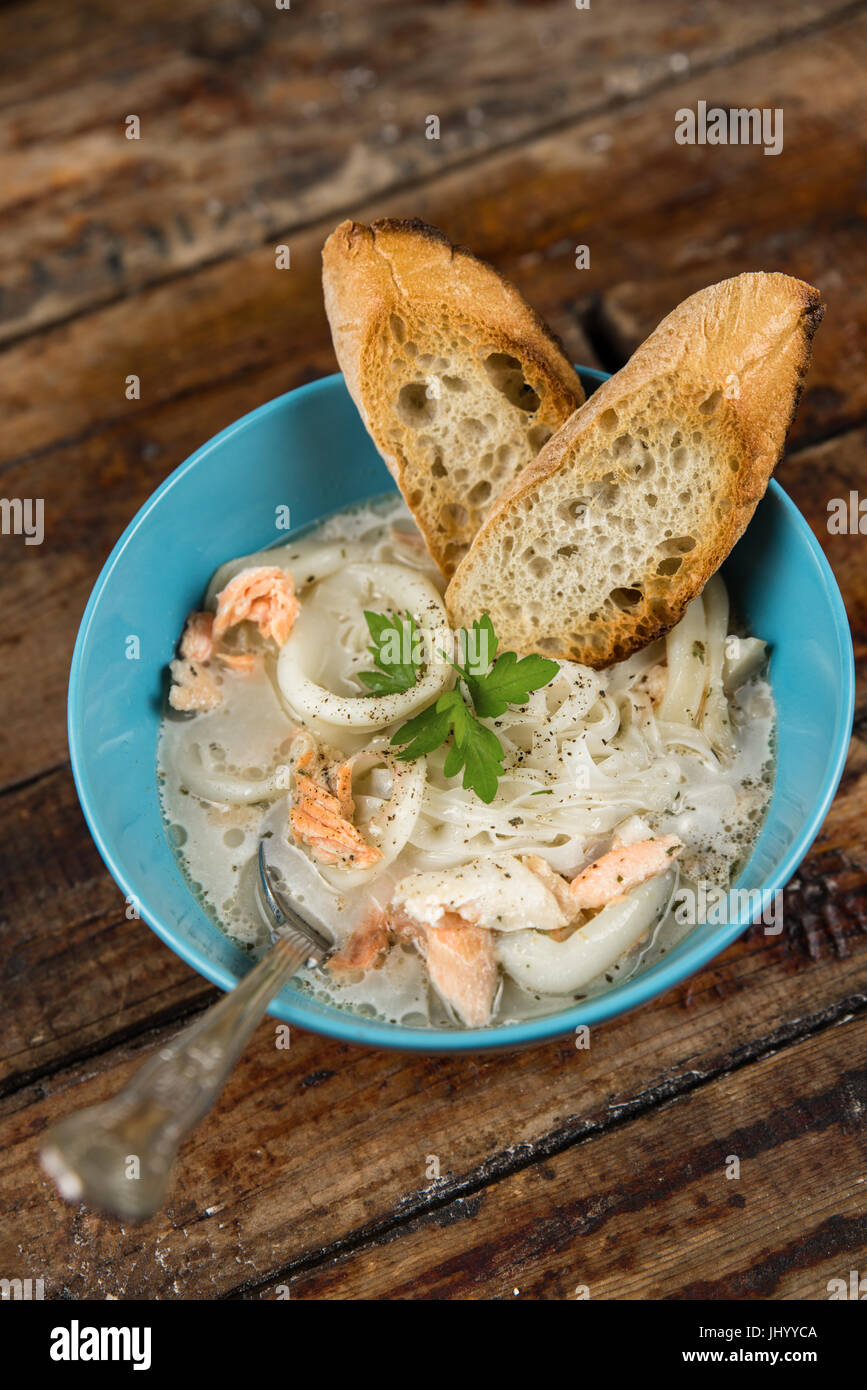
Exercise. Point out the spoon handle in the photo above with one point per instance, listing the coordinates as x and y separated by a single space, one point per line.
119 1155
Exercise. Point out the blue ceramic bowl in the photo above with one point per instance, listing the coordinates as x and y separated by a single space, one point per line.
309 449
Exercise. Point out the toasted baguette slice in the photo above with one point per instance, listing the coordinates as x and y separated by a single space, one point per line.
457 379
599 545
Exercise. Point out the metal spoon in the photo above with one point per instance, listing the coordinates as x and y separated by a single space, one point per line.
119 1155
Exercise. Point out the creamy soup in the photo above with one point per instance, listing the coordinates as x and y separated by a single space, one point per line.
622 797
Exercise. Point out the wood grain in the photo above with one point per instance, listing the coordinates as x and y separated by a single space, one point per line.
647 1211
230 336
255 121
78 973
526 210
322 1143
557 1167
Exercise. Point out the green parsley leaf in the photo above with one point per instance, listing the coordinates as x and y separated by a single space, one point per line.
475 749
454 761
480 753
479 649
460 715
509 682
424 733
393 640
381 683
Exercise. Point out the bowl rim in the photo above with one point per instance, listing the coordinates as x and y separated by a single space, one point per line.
353 1028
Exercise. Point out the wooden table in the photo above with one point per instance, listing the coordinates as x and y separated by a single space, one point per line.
155 258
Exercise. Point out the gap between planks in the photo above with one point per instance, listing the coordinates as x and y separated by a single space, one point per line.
135 1034
509 1162
461 164
86 428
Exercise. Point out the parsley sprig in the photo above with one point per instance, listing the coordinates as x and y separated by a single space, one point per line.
475 749
491 685
393 639
509 681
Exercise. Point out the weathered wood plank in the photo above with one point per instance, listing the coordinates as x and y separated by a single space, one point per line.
647 1211
236 333
256 120
526 210
78 976
82 983
314 1144
286 1115
365 1123
813 478
77 973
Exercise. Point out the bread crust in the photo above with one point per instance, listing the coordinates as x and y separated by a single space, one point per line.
411 270
747 339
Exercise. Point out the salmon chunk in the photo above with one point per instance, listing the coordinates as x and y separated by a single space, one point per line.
460 960
197 638
264 595
243 662
324 766
463 968
459 956
193 687
366 948
622 869
317 819
340 780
